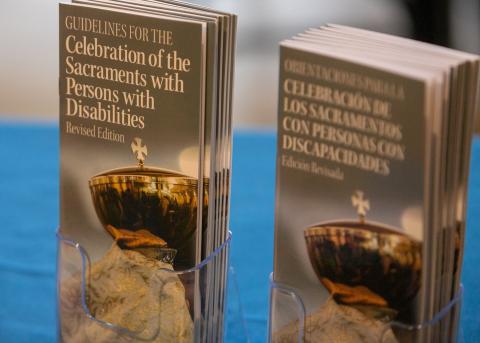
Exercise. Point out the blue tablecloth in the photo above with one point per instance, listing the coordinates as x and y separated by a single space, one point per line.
29 217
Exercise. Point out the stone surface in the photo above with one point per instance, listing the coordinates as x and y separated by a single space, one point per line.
335 323
129 290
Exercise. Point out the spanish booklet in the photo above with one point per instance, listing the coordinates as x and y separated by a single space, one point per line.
373 149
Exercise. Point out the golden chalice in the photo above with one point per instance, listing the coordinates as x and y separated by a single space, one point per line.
149 209
371 266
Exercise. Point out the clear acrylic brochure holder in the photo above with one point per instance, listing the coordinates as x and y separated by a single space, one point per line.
290 323
125 297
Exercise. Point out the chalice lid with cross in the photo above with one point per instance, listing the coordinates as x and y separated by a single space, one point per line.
362 205
140 152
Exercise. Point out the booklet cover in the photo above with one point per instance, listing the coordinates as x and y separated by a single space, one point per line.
349 162
145 142
131 129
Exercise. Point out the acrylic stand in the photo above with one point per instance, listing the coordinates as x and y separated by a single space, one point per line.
123 297
289 322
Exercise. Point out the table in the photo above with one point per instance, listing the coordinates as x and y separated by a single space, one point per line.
29 214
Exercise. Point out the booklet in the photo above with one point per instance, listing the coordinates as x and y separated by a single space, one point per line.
373 146
145 130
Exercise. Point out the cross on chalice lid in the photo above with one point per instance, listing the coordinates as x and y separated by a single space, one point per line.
361 204
140 151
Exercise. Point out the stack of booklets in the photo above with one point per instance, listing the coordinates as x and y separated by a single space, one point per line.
145 142
374 135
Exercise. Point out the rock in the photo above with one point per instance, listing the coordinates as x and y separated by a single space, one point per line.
335 323
129 290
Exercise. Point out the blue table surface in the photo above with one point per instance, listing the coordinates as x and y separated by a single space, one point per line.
29 217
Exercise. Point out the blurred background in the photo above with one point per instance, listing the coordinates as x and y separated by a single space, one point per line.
28 95
29 45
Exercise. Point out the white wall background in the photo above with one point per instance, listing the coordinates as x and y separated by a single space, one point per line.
29 48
